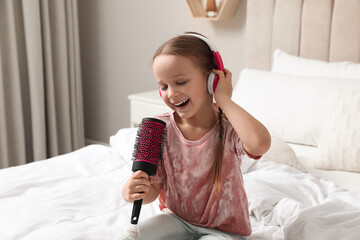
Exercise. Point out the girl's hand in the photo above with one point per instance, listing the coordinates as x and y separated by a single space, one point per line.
136 187
223 91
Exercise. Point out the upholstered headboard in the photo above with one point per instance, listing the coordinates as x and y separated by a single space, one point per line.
319 29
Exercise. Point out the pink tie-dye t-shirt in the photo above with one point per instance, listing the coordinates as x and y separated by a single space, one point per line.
186 172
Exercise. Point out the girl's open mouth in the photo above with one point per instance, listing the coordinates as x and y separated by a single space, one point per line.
182 104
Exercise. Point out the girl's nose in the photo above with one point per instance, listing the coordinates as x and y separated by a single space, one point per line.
171 92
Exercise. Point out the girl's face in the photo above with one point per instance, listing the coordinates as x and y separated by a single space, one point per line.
182 84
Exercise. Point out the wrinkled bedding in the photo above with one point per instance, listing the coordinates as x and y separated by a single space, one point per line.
78 196
285 203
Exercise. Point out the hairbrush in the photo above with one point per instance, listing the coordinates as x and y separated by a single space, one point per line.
148 152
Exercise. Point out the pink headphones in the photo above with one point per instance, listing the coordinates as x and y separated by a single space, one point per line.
212 78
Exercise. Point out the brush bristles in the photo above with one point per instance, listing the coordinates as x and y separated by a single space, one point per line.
137 141
136 145
163 142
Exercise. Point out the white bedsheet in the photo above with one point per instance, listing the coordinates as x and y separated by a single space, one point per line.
78 196
73 196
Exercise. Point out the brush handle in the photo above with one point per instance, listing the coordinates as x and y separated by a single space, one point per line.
136 211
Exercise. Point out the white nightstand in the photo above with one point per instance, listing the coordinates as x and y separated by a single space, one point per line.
145 104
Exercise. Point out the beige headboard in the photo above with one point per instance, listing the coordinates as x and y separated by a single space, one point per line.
319 29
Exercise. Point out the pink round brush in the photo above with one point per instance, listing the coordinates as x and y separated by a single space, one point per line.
148 152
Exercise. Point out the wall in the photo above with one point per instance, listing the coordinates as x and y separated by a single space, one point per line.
118 39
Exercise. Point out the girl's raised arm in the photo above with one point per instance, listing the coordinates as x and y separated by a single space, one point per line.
253 134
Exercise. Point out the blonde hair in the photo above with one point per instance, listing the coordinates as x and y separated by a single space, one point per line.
219 154
200 53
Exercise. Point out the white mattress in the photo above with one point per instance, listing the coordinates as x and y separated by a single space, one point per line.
306 155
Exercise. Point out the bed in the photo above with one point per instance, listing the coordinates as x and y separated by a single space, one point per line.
302 80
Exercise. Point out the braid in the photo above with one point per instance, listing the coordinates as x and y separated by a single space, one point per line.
216 178
221 127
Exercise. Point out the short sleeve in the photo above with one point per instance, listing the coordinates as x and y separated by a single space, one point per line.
233 139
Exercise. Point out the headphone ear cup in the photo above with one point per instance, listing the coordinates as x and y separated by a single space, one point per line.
210 82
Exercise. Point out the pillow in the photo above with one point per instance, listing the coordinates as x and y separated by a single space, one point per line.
123 142
339 148
293 108
290 64
282 153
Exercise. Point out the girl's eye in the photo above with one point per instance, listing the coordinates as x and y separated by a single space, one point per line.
163 88
181 83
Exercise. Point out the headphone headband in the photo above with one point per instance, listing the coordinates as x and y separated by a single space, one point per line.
211 46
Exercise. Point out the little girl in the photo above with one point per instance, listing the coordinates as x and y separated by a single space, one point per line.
199 182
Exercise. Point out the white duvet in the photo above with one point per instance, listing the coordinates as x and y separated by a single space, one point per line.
73 196
287 204
78 196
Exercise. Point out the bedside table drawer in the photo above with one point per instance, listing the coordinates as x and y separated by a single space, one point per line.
146 104
139 110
